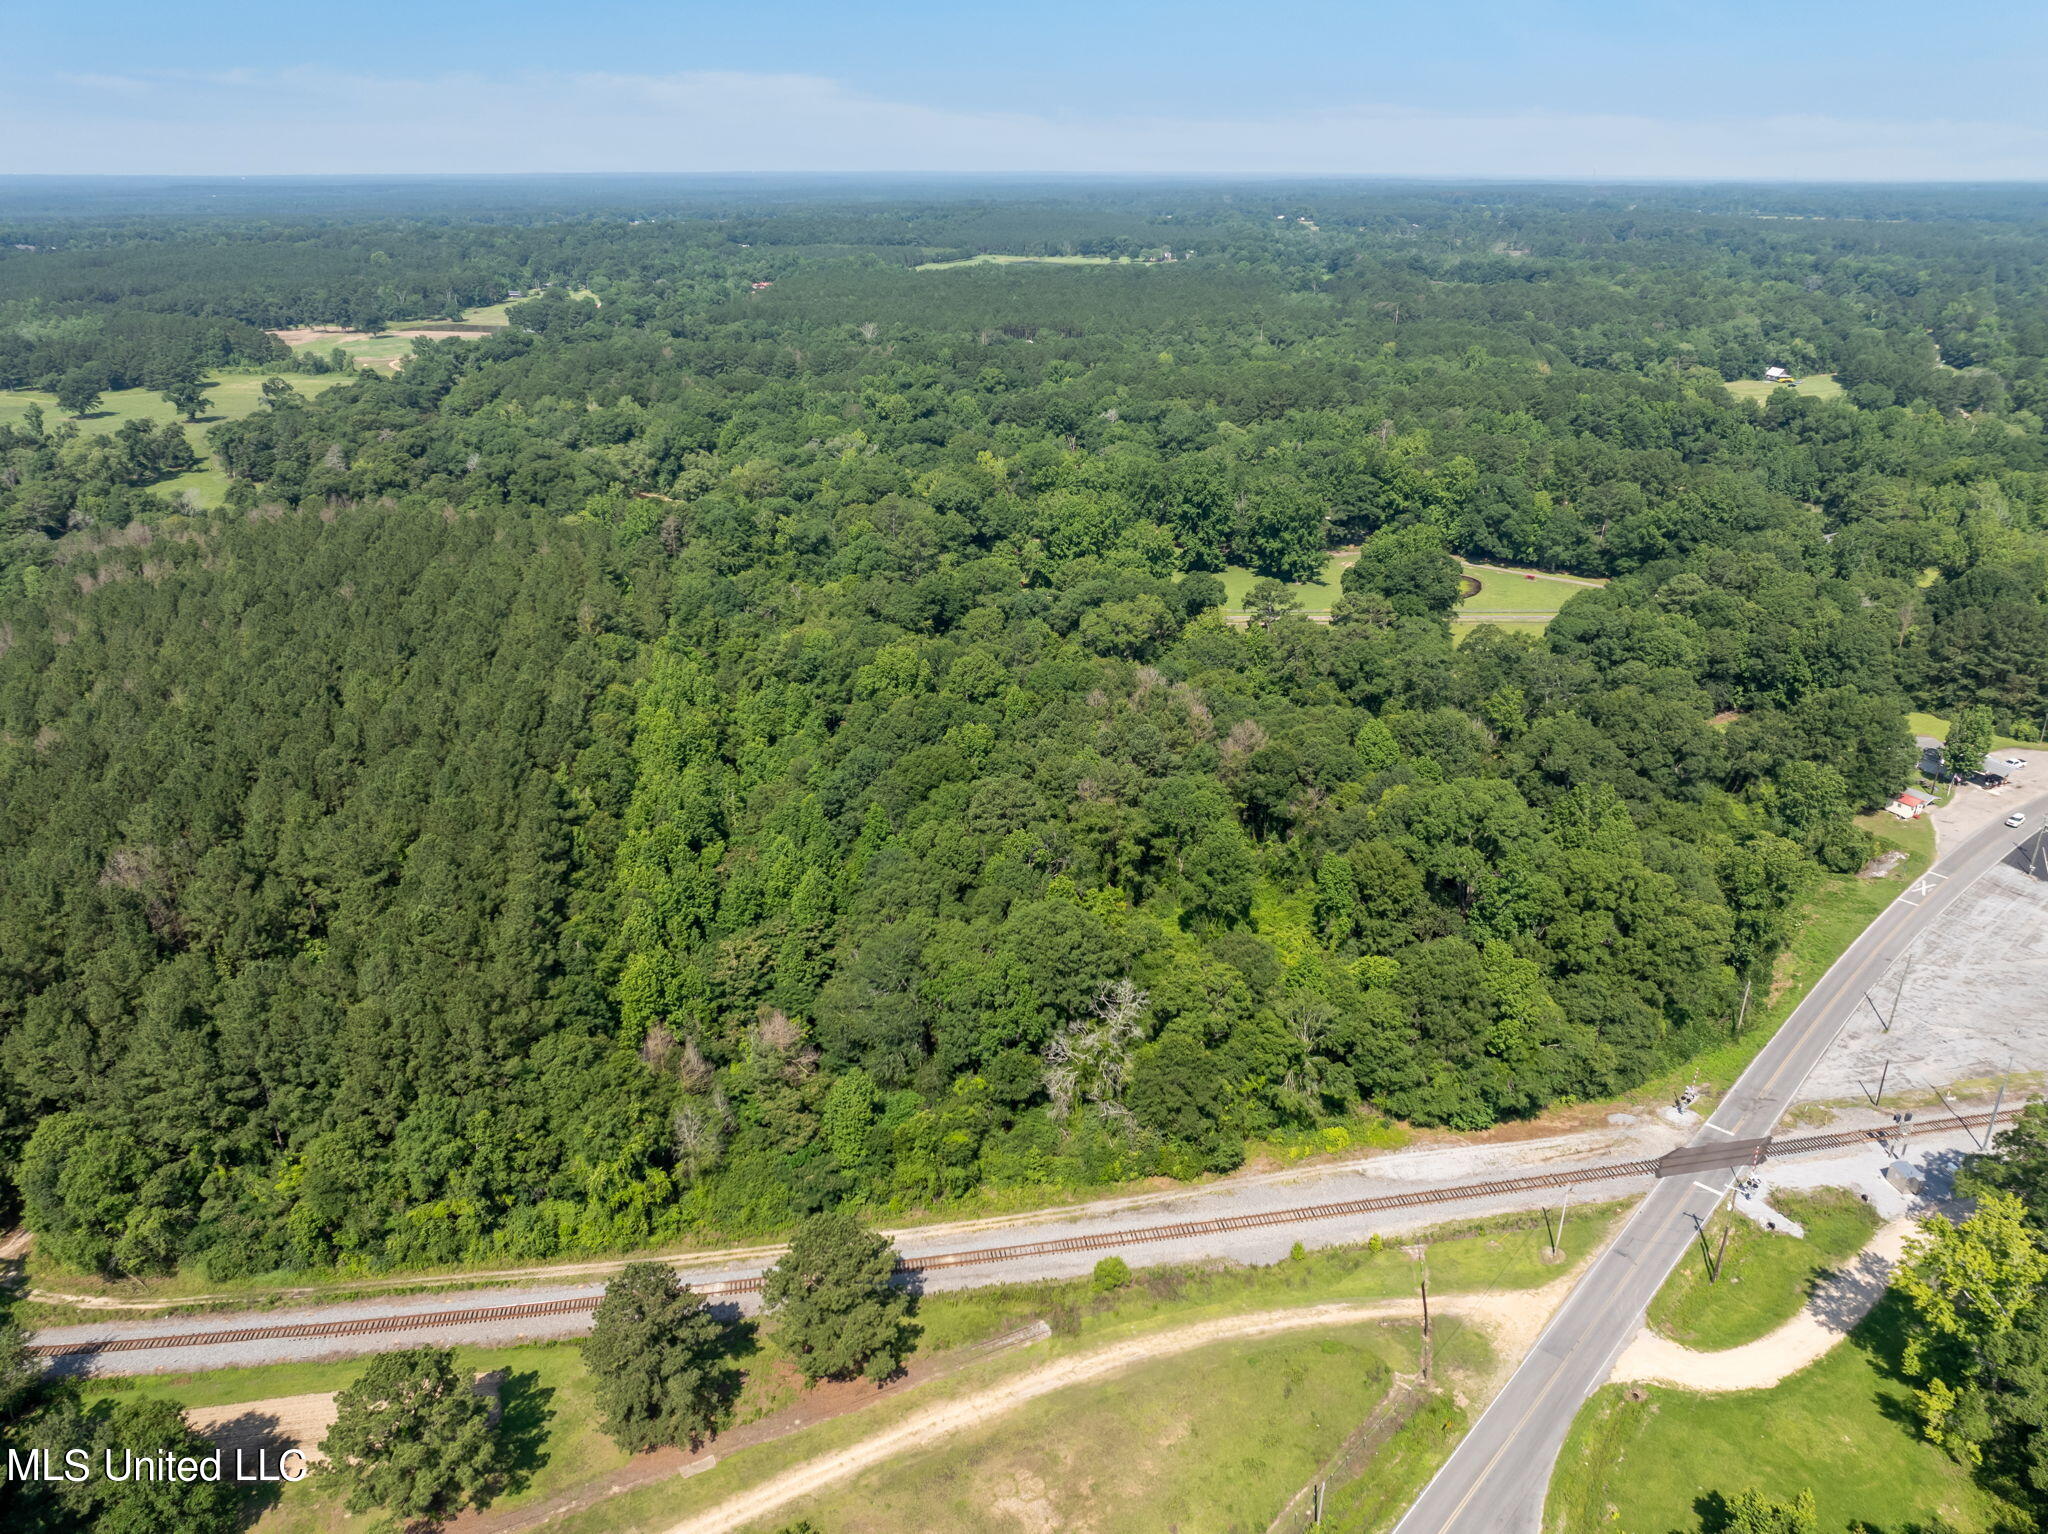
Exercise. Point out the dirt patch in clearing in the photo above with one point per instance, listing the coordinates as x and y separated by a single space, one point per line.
332 336
288 1421
304 333
292 1422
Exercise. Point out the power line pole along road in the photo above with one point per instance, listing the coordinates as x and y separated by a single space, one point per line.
1495 1480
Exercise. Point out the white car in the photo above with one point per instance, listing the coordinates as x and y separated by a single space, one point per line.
2016 818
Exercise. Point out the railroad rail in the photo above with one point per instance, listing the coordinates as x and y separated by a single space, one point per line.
978 1256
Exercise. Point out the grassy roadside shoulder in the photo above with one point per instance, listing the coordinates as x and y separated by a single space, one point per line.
1650 1460
1765 1276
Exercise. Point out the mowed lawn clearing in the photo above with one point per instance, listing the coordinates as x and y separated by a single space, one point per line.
232 396
550 1424
1937 727
1811 386
1515 598
1652 1460
1316 596
1765 1276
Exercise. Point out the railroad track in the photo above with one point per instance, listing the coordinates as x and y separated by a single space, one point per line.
978 1256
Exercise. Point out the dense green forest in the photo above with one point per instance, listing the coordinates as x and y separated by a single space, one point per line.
718 752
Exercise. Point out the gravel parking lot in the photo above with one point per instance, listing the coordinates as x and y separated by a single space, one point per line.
1968 1002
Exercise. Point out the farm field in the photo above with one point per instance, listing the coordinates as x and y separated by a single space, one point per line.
1651 1459
1811 385
385 347
1765 1277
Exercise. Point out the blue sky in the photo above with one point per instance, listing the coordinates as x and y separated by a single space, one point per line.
1580 88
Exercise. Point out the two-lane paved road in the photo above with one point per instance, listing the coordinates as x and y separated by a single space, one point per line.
1495 1481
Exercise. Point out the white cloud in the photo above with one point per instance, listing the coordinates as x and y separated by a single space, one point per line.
314 121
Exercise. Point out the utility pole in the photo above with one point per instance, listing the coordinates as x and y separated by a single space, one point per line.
1719 1252
1425 1318
1997 1103
1881 1075
1743 1011
1557 1245
1900 990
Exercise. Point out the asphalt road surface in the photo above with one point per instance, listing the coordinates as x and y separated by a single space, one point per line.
1495 1481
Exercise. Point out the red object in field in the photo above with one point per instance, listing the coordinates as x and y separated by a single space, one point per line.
1528 577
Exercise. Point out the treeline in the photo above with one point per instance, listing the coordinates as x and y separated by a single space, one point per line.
40 348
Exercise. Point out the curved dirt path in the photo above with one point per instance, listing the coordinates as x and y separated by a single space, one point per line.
1515 1319
1829 1315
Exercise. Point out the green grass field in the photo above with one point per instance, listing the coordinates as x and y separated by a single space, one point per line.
377 351
1218 1438
233 395
995 260
1317 596
1843 1428
1501 590
1936 726
1811 386
1765 1277
1463 629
